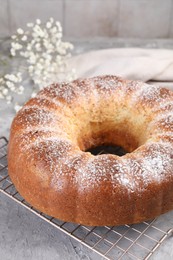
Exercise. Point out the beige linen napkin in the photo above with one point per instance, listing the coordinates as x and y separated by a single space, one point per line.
131 63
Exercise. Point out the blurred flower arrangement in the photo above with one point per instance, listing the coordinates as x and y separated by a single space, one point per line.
44 55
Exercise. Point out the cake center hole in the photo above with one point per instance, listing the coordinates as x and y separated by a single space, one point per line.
107 149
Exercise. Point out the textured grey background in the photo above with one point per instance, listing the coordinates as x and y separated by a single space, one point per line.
93 18
26 237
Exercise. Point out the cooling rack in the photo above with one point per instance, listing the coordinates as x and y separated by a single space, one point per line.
137 241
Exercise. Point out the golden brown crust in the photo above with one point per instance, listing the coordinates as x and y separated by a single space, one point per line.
50 168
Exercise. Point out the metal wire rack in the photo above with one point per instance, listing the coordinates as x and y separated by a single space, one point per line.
137 241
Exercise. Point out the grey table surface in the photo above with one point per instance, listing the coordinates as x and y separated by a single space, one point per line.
24 235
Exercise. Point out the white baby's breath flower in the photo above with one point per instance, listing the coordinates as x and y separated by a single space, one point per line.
30 68
45 56
38 21
23 54
16 46
13 52
58 26
38 47
37 31
20 90
11 77
13 37
12 88
37 72
30 25
7 76
53 29
48 25
51 20
59 35
20 31
9 84
62 51
19 76
33 94
24 38
39 66
5 91
32 59
29 47
17 107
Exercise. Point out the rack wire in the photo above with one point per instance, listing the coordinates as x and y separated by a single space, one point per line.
137 241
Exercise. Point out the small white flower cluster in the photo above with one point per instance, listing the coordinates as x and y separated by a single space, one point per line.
10 83
44 51
44 54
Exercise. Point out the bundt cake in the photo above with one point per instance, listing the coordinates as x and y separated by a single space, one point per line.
49 162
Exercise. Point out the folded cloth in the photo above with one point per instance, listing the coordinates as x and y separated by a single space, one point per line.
130 63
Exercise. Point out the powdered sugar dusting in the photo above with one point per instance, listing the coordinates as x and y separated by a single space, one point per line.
60 157
132 86
163 122
151 95
44 101
50 152
62 90
32 137
53 155
167 105
157 161
130 173
167 122
93 173
68 92
51 100
32 116
107 83
89 172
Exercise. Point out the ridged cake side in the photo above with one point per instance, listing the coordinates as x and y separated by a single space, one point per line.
50 134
